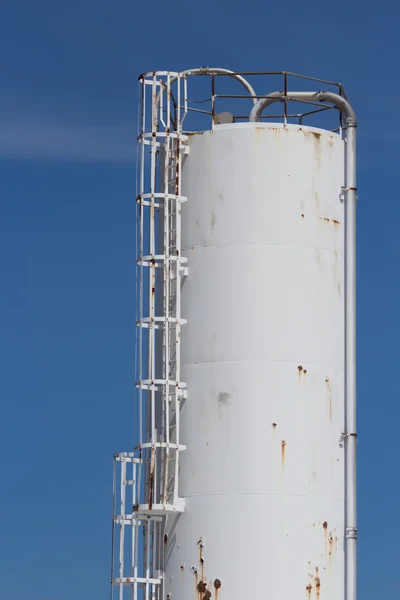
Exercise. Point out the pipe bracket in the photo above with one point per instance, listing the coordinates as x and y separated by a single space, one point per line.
351 533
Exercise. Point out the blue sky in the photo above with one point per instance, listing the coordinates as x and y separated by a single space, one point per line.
67 183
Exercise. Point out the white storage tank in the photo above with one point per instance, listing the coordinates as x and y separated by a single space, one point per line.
263 359
241 483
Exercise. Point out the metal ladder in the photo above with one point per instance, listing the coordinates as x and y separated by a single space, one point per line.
146 486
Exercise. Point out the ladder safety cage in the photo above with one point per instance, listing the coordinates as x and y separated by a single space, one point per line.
146 486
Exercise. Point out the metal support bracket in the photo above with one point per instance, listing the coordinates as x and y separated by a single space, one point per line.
351 533
344 437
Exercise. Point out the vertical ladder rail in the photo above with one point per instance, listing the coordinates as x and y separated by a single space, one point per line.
166 301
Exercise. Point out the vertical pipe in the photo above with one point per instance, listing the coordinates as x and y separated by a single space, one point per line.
350 316
113 526
350 358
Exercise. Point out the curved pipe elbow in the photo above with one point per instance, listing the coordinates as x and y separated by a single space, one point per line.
216 71
321 96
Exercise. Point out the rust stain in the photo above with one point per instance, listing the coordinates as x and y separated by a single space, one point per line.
201 587
325 527
331 544
329 388
283 454
338 287
201 558
301 371
217 585
335 222
309 587
151 480
317 584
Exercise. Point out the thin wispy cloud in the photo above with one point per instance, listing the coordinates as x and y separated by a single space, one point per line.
80 143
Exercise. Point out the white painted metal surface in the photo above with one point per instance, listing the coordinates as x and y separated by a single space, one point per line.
263 358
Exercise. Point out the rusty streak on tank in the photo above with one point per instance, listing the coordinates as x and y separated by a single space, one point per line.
201 560
325 528
301 371
283 454
331 541
217 585
335 222
317 584
151 481
329 388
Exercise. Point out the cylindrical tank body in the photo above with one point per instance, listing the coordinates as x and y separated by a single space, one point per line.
263 358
